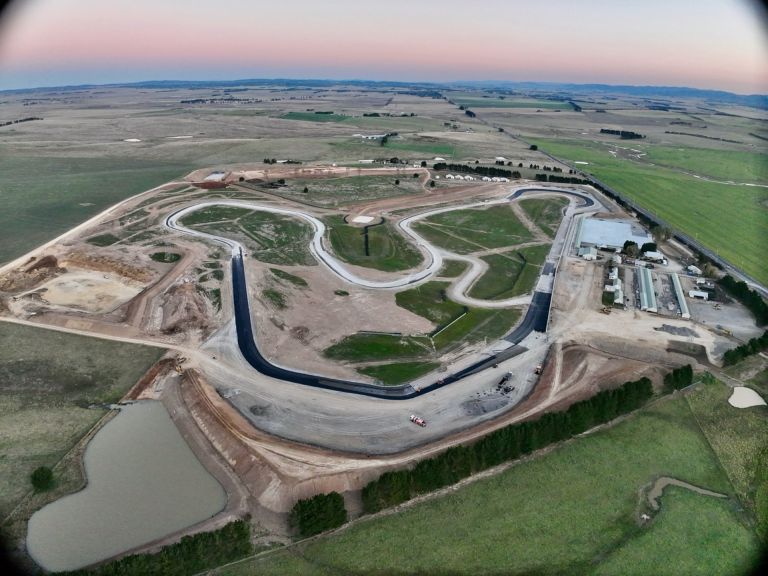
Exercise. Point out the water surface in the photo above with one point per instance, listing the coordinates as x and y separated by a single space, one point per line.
144 483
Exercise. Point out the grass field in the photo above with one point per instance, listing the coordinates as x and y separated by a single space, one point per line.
466 231
571 511
510 274
363 347
399 372
496 102
270 238
290 278
388 250
730 220
44 197
545 212
452 269
420 145
725 165
332 192
312 117
430 301
48 380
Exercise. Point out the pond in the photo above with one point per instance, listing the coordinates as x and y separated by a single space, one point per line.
144 482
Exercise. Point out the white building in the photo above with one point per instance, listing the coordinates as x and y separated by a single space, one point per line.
694 270
610 233
449 176
654 256
588 253
700 294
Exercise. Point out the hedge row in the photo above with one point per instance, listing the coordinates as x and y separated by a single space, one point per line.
750 298
679 378
754 346
318 514
508 443
191 555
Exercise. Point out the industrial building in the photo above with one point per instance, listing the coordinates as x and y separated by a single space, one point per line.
610 234
588 253
647 294
680 295
701 295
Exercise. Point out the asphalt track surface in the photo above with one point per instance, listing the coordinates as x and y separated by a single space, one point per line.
535 318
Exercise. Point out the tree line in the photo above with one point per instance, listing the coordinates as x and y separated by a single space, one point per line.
318 514
507 443
192 554
750 298
29 119
625 134
754 346
561 179
482 170
679 378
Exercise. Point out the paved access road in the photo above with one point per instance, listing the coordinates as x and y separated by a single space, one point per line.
535 319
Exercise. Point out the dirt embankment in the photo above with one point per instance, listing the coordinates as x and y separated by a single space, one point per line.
33 273
105 264
157 370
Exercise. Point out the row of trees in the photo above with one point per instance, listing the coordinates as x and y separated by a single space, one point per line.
508 443
318 514
29 119
754 346
482 170
561 179
191 555
625 134
750 298
679 378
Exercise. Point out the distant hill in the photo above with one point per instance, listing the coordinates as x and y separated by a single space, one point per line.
752 100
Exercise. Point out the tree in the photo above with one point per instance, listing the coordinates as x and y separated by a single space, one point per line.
42 479
394 160
648 247
306 190
431 183
397 182
534 147
423 163
318 514
630 249
415 175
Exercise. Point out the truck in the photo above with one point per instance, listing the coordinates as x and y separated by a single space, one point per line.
418 421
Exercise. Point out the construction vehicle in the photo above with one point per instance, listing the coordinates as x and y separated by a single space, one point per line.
605 310
179 361
538 369
418 421
504 379
718 307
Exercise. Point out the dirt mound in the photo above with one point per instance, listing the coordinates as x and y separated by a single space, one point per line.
696 351
18 280
104 264
184 309
49 261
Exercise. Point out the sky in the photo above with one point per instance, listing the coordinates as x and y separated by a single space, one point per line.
717 44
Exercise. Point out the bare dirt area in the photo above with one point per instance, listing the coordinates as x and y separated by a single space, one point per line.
316 316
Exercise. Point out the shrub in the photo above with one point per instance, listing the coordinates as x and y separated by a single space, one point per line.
42 479
318 514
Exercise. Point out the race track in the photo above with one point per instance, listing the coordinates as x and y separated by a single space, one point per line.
535 319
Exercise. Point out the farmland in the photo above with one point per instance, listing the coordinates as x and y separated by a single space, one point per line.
45 197
726 218
53 390
586 488
496 102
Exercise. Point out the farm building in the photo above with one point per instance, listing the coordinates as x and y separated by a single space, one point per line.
654 256
588 253
611 234
699 294
680 295
647 294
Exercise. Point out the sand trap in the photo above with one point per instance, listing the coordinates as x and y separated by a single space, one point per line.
89 290
580 162
131 140
362 219
178 137
744 397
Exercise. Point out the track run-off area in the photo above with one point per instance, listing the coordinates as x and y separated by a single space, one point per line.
535 319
